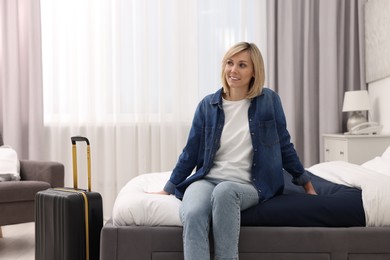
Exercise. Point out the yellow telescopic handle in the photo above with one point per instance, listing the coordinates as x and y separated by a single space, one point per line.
75 139
89 166
74 166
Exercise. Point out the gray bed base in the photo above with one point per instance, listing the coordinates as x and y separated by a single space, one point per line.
265 243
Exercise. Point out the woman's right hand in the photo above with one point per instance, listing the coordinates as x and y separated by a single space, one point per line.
162 192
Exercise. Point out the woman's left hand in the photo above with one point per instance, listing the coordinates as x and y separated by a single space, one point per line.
309 189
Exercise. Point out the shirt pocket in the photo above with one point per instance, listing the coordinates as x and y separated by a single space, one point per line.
267 133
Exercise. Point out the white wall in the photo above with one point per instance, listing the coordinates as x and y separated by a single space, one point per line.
379 92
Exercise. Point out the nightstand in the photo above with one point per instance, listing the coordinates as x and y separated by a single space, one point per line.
354 148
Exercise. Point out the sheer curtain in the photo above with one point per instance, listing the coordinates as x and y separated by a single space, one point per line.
315 54
129 74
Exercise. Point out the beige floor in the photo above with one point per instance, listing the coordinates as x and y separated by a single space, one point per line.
18 242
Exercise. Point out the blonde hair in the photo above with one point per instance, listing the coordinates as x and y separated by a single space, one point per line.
257 82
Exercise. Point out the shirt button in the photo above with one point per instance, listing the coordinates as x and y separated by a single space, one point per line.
254 164
252 133
255 149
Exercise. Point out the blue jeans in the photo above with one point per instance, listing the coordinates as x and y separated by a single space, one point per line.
221 204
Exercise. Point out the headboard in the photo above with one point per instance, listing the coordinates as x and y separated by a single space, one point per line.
377 39
377 42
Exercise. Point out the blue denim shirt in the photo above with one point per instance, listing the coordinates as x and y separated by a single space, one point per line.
272 148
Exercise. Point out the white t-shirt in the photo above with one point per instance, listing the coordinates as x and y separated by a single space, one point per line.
234 157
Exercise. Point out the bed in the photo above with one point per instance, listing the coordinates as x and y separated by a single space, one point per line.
349 219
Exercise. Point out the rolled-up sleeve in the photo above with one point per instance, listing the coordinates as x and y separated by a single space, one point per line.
302 179
170 187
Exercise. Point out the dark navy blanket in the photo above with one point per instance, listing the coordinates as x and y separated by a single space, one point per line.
334 206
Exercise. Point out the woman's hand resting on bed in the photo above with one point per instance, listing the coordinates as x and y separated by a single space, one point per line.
309 189
162 192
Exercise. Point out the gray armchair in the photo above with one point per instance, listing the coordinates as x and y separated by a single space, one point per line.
17 198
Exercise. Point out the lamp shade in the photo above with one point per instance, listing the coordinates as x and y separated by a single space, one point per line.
356 101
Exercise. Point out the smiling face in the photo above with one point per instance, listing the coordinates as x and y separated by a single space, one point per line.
239 72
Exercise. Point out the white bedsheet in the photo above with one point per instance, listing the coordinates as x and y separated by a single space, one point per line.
375 187
133 206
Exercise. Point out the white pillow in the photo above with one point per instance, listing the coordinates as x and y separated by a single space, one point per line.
380 164
9 164
133 206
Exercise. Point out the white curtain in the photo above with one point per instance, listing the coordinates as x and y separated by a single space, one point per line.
129 74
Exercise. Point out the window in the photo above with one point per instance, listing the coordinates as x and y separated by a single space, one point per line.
138 61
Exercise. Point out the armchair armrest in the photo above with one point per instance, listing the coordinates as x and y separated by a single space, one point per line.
51 172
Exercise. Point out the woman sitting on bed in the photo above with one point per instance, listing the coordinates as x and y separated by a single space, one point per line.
239 145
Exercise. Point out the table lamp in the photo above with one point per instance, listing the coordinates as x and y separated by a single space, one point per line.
356 102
